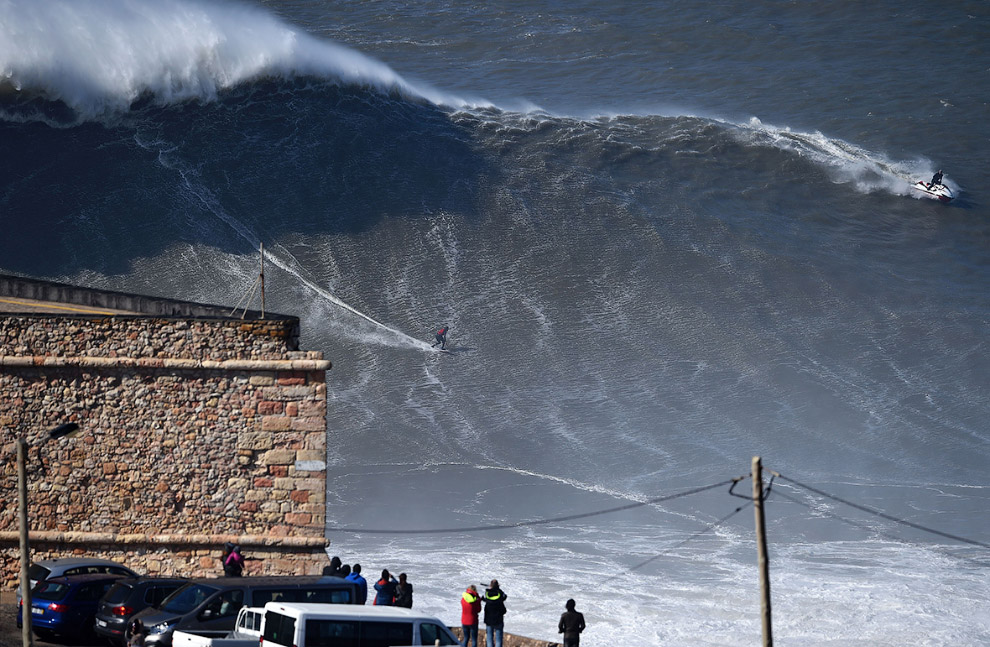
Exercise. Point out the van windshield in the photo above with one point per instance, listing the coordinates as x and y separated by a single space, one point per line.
316 593
431 634
187 598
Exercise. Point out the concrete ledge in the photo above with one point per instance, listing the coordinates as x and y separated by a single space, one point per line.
248 541
142 305
35 361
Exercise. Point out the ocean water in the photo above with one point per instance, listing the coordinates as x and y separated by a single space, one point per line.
666 238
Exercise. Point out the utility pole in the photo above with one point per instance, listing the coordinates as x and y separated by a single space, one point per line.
761 551
67 430
22 514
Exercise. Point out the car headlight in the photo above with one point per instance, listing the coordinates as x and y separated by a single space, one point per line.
162 627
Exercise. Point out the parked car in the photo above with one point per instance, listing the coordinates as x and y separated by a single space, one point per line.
209 606
67 605
48 568
127 597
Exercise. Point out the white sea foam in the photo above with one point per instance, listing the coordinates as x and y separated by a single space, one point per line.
866 170
704 593
99 56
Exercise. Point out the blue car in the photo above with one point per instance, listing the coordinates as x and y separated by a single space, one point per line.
67 605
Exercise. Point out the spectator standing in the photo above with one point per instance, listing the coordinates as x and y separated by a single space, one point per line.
403 592
362 584
334 569
385 587
137 634
233 562
470 608
494 614
571 625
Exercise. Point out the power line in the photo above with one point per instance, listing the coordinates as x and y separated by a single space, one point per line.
710 526
863 526
535 522
884 515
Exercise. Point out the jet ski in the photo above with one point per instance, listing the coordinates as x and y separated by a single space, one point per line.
937 191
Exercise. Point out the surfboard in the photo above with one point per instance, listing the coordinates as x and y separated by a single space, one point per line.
937 191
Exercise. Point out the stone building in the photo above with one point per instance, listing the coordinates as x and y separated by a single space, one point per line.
198 427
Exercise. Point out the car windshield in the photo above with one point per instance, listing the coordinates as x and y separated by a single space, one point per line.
38 572
49 590
187 598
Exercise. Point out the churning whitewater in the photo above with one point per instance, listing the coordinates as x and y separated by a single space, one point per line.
665 239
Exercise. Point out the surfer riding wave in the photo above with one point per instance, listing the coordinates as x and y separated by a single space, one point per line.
441 336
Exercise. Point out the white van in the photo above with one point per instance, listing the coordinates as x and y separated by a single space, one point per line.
348 625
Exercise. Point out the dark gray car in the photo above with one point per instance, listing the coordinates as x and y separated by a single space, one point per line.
127 597
209 606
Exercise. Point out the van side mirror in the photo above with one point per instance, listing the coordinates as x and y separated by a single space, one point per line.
207 613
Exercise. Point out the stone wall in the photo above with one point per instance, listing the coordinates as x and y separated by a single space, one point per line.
193 432
146 338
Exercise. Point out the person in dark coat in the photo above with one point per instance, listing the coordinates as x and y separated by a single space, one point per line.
403 592
936 179
362 584
571 625
494 614
138 634
334 569
228 548
385 587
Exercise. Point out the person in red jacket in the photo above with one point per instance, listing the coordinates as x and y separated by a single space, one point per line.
441 338
470 608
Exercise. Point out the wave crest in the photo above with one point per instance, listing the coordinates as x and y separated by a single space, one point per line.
100 56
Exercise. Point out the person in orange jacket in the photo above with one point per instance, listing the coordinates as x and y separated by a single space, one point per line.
470 608
385 587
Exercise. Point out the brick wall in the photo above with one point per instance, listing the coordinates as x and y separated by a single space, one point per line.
193 432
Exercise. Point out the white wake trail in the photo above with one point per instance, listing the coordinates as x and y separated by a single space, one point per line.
868 171
291 266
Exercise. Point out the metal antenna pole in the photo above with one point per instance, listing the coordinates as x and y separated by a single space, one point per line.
262 280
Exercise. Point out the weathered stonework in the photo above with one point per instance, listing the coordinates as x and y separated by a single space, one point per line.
194 432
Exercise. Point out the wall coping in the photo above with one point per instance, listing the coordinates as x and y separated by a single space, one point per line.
245 541
167 363
143 306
